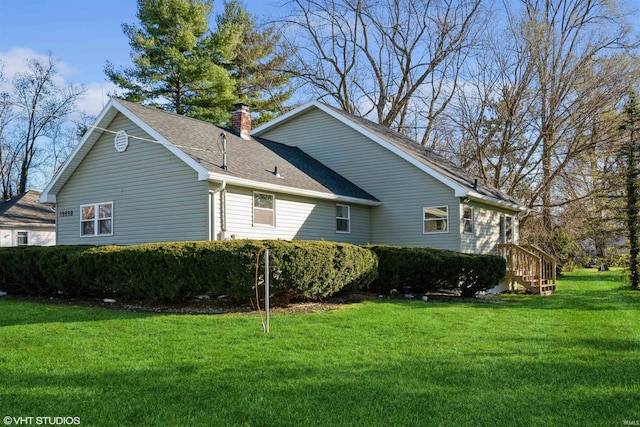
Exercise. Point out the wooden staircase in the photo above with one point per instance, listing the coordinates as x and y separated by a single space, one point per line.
529 267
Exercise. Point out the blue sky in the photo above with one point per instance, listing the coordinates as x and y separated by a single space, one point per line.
82 34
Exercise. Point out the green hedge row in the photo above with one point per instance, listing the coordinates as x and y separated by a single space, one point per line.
299 269
175 271
429 270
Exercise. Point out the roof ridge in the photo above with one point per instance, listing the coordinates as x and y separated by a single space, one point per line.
425 155
160 110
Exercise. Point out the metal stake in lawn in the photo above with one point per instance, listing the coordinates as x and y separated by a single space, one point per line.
266 290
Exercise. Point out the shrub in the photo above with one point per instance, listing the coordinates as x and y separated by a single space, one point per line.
316 269
35 270
428 270
174 271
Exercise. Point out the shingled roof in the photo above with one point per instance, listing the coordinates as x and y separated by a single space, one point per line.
429 158
24 209
464 182
255 159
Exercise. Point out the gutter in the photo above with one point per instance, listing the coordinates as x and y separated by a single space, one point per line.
493 202
247 183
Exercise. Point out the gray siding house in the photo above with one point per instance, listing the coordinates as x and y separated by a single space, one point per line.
145 175
426 200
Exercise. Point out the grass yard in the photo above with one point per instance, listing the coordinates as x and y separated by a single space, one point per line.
568 359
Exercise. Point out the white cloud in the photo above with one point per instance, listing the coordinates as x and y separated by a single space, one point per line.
15 61
95 98
91 103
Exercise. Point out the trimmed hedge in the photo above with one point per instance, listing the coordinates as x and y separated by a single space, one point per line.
428 270
299 269
175 271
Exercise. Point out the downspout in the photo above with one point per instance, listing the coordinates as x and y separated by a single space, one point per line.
223 222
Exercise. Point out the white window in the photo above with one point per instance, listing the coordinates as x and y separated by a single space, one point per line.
96 219
264 212
467 219
343 219
23 238
436 219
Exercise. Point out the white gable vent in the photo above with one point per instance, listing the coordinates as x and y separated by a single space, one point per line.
121 141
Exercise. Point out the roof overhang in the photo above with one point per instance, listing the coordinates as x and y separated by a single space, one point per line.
18 224
497 203
459 190
247 183
92 136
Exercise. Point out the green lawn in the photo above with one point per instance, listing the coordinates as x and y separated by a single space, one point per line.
568 359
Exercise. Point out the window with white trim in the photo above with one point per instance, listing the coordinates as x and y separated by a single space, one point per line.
96 219
22 238
436 219
343 219
467 219
264 209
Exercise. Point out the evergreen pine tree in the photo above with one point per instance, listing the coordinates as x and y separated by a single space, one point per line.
174 66
255 58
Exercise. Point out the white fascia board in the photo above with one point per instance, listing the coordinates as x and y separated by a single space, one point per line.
247 183
494 202
47 196
103 119
459 190
285 117
203 173
27 224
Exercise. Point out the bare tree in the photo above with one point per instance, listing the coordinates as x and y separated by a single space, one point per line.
544 93
396 61
45 102
489 123
7 155
573 45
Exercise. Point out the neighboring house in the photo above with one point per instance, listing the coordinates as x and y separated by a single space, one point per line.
23 221
145 175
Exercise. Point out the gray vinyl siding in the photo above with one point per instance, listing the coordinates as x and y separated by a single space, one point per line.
156 196
296 217
487 231
403 189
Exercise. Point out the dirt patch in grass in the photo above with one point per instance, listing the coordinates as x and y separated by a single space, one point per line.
221 305
200 305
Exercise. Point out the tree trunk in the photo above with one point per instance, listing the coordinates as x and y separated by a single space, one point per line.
632 112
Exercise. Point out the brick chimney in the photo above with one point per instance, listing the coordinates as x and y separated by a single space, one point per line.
241 120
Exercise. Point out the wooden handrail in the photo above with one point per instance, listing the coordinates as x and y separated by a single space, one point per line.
539 251
550 263
529 262
516 248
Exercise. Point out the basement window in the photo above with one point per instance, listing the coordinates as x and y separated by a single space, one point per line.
96 219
